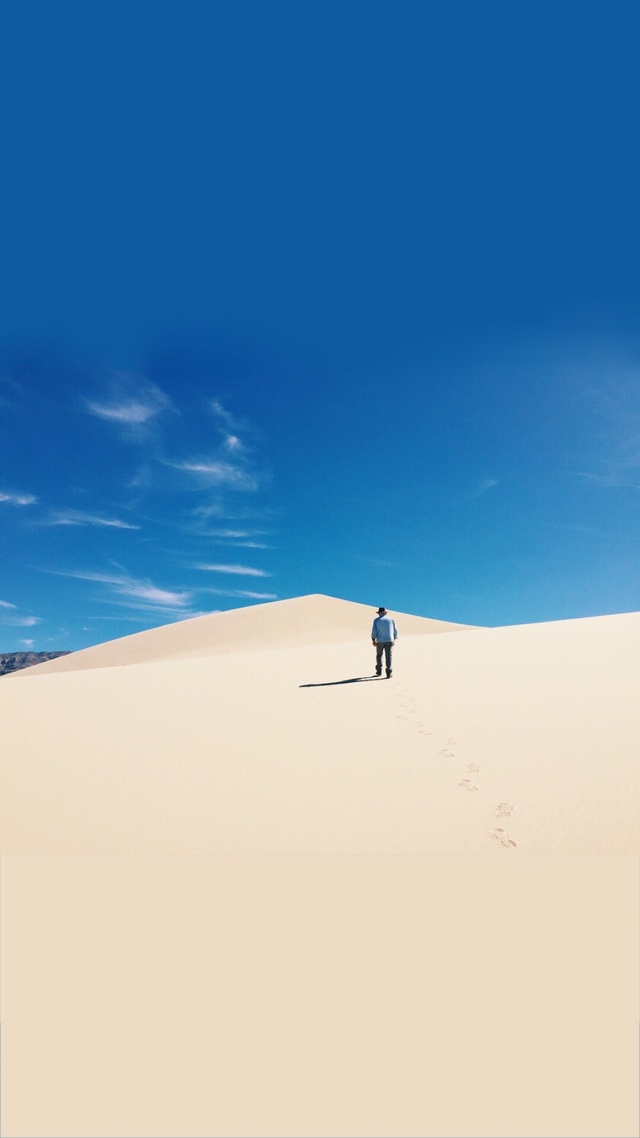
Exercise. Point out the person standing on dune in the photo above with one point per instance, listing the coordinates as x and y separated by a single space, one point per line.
383 635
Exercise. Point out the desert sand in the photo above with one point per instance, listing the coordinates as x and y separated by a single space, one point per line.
311 968
263 731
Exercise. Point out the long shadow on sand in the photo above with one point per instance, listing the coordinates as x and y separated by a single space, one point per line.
334 683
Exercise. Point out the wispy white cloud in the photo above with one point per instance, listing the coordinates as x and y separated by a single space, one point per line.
129 588
211 510
133 403
123 412
143 618
220 510
20 621
238 570
231 428
246 544
221 412
7 605
236 534
241 593
229 469
233 444
153 609
237 538
614 478
17 499
28 643
79 518
216 472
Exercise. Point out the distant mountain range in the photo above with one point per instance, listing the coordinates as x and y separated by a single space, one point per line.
14 661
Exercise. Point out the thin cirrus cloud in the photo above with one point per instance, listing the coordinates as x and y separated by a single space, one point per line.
241 593
17 499
221 510
237 539
617 480
231 426
216 472
148 607
230 421
7 605
20 621
78 518
246 544
133 404
238 570
128 589
143 615
235 534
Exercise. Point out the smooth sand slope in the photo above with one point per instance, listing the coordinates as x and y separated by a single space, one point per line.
275 738
300 622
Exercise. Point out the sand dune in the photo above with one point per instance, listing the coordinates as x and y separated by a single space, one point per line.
315 619
272 736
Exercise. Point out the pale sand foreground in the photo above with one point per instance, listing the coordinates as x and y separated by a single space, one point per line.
499 741
338 995
299 997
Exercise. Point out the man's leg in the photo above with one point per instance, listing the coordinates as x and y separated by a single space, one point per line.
387 654
379 648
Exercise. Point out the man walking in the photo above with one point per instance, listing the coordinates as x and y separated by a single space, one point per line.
384 635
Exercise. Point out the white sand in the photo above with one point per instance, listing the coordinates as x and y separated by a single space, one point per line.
300 622
210 742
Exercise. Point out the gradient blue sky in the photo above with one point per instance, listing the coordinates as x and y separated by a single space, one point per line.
319 297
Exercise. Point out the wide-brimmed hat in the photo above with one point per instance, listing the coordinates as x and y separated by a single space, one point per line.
381 610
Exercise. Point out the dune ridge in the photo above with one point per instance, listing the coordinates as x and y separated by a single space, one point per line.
313 619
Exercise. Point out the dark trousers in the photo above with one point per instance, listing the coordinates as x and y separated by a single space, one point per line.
385 647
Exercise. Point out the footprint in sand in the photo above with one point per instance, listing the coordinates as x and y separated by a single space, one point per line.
467 784
503 837
448 754
503 810
402 716
422 729
473 767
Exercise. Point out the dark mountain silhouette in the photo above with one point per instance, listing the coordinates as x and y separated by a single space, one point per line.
14 661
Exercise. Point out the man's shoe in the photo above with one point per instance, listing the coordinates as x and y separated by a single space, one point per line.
388 675
378 671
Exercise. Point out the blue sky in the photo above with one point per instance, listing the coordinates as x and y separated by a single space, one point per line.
299 298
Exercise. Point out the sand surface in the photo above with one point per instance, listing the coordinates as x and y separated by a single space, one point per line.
262 730
334 987
300 622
